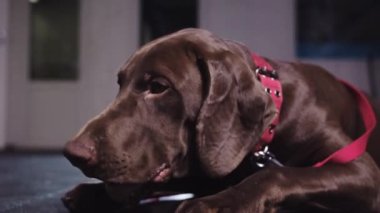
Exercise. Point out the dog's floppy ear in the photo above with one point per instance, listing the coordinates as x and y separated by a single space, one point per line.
235 112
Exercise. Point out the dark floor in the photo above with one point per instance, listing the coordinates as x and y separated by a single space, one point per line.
35 182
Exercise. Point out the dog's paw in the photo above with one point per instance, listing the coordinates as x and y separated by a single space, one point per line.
88 198
216 204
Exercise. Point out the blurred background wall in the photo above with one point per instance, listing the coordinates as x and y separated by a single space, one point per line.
43 114
3 70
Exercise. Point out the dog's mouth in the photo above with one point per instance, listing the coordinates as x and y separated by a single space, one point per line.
120 190
162 174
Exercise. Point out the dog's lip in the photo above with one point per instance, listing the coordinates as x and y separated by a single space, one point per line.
130 192
162 174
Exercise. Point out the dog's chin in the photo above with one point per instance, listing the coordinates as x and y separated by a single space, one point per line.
128 193
161 174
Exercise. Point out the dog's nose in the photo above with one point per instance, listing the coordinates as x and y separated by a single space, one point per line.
81 152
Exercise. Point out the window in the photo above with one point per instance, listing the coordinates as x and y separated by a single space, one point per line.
163 17
54 39
338 28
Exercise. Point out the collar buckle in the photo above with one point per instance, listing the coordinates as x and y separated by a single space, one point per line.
263 157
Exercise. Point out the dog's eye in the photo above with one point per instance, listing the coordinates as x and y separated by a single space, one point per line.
158 85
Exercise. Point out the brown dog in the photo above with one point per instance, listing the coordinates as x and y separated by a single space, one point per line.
190 107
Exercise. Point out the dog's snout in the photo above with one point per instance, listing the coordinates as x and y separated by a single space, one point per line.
81 152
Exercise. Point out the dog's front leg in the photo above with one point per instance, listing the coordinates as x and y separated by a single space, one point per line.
238 198
351 187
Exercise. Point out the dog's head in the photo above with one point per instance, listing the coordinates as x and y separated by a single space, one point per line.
187 95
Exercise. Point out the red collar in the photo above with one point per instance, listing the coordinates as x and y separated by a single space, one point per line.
270 81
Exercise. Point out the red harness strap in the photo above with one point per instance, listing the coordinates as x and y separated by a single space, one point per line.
350 152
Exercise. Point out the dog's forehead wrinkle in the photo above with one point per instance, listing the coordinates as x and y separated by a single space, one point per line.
165 66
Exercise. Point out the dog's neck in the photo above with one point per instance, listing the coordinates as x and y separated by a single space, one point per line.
270 81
